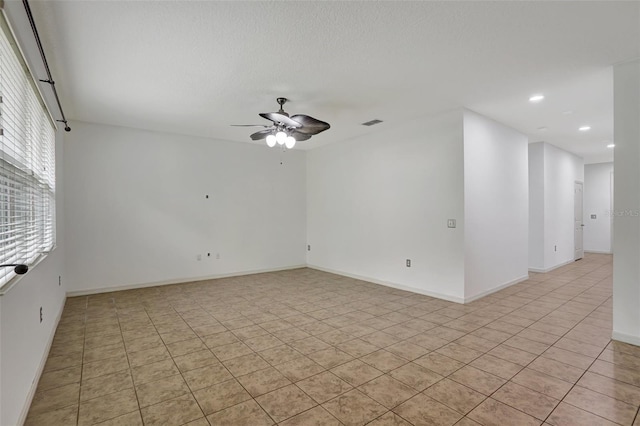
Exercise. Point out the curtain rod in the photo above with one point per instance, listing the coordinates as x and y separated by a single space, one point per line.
46 64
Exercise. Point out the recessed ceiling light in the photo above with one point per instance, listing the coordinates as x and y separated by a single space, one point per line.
536 98
584 128
611 145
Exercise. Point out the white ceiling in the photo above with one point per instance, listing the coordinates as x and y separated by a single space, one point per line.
195 67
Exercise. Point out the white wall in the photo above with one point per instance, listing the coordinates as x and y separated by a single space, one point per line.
598 197
375 201
560 169
536 206
137 212
626 239
496 205
24 340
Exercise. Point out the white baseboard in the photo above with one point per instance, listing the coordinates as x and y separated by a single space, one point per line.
45 355
177 281
598 252
390 284
626 338
495 289
544 271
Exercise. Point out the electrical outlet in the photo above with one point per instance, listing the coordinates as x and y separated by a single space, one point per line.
308 247
198 257
451 223
408 263
40 313
593 216
59 280
555 248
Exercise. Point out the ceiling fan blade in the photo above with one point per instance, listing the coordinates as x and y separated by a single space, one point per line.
276 117
310 125
261 134
250 125
299 136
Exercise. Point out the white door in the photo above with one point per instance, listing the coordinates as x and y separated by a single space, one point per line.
577 222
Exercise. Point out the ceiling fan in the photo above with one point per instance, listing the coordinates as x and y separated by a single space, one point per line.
286 130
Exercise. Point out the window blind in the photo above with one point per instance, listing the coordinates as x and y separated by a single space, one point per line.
27 164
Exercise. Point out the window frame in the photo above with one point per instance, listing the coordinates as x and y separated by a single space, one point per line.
38 118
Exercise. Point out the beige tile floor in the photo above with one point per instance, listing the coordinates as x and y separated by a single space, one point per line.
304 347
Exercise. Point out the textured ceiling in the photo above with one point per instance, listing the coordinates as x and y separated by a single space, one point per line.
194 67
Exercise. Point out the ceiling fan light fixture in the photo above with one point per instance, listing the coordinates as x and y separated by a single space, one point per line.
271 141
290 142
281 137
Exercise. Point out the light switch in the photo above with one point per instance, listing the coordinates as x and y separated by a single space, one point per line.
451 223
593 216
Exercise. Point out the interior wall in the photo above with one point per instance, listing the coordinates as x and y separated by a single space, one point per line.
626 228
598 199
560 169
378 200
536 206
138 212
496 205
24 340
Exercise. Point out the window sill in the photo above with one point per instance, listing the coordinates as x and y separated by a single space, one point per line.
12 283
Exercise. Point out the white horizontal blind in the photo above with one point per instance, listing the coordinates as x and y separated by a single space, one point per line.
27 165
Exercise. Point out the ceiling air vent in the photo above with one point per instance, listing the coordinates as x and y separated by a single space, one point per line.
372 122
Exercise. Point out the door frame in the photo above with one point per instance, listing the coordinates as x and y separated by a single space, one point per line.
581 219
